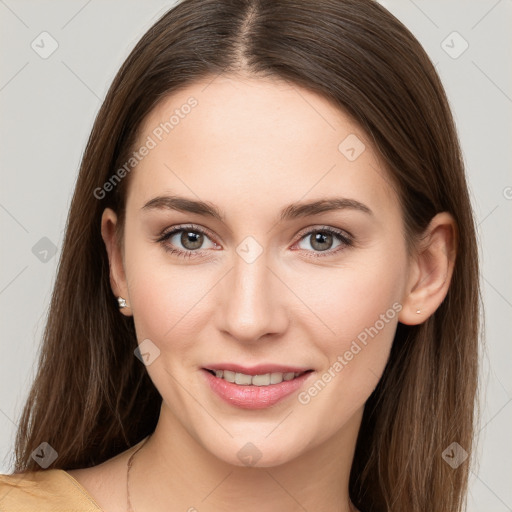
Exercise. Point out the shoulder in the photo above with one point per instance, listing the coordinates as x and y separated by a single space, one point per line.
44 491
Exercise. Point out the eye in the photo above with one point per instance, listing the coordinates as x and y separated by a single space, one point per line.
187 241
322 241
191 239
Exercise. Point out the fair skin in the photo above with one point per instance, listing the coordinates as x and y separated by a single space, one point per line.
251 147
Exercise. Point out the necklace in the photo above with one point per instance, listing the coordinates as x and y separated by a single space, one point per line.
129 466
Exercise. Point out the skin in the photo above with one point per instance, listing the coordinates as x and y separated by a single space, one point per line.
252 147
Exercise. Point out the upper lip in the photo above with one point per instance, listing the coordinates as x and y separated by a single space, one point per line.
260 369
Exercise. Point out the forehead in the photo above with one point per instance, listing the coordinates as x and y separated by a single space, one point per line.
246 143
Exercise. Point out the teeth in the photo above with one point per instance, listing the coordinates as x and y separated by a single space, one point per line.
243 379
227 375
255 380
276 378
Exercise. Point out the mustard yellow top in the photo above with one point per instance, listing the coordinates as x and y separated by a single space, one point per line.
50 490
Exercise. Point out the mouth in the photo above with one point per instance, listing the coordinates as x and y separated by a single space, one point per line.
256 388
262 379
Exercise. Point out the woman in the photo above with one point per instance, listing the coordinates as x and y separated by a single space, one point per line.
268 292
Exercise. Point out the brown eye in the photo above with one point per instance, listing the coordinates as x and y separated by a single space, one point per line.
186 241
191 240
324 240
321 241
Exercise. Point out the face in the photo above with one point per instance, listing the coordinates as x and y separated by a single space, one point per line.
257 283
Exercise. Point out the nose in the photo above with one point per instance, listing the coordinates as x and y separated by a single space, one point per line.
252 301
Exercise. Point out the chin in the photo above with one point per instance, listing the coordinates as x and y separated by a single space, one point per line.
258 454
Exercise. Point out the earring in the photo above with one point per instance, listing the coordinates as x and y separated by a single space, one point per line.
418 311
122 303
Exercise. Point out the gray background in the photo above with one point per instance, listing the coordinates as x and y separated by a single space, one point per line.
48 106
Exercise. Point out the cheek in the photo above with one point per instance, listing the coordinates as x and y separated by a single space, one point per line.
362 310
351 298
168 300
358 306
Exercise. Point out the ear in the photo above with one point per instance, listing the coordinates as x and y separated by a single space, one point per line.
431 270
115 258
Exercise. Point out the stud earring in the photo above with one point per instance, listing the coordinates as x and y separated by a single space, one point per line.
122 303
418 311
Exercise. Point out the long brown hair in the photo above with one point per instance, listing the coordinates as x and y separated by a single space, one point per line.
92 398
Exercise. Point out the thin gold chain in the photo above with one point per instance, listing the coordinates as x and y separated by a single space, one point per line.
129 465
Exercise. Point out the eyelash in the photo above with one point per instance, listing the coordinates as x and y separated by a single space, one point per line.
345 239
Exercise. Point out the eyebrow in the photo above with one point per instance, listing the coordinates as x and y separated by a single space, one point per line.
290 212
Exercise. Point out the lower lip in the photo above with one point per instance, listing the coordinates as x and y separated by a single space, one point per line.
254 397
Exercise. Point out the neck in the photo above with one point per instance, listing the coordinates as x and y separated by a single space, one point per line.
174 470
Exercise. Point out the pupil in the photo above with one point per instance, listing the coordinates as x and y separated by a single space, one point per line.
191 240
321 238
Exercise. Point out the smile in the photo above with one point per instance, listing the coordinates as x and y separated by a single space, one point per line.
265 379
257 391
